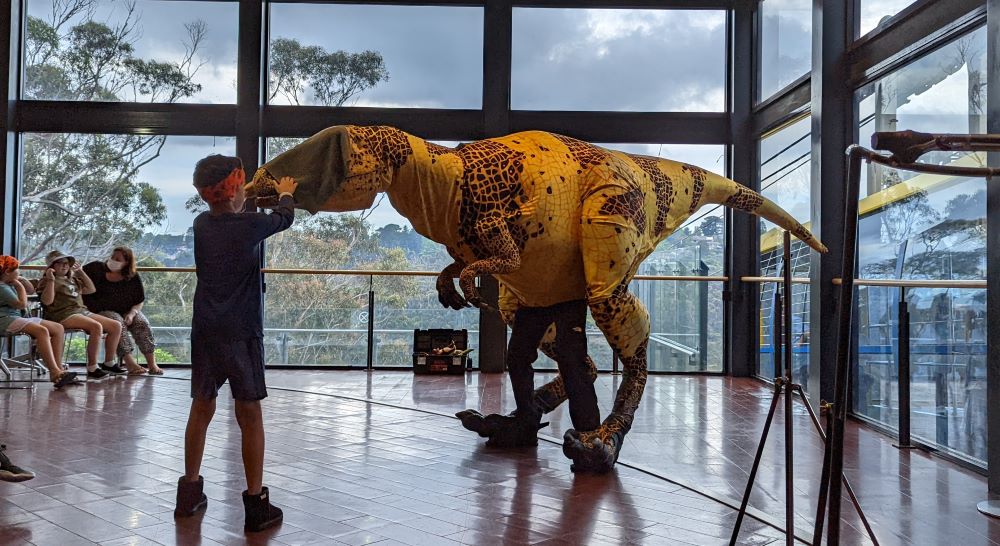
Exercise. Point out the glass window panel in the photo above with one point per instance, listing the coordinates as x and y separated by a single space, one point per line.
875 13
785 43
403 304
323 319
786 179
917 226
84 194
366 55
618 60
162 51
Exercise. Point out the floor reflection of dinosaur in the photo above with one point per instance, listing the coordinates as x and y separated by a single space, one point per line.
554 219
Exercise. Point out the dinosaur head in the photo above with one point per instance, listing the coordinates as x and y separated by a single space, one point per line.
331 174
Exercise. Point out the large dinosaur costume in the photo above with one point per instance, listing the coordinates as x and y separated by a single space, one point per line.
553 218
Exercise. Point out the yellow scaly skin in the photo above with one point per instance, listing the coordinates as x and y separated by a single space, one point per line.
553 218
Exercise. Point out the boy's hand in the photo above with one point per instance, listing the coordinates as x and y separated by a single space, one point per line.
76 268
49 274
287 184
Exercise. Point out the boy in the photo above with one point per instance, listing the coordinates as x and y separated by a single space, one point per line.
227 330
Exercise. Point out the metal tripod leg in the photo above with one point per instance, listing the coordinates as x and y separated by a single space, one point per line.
847 485
756 464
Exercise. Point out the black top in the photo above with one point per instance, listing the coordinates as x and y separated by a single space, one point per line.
117 296
227 252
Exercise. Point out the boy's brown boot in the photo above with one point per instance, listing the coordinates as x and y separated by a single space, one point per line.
191 498
260 514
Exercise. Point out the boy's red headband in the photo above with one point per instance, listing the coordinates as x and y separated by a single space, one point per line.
8 263
223 190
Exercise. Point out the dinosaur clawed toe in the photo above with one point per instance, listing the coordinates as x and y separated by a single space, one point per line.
589 452
503 431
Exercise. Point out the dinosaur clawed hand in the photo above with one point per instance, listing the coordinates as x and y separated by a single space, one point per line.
449 297
593 451
503 431
467 282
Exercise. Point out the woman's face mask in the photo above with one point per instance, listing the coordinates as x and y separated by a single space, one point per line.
115 265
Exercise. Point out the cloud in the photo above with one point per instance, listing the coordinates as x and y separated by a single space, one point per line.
619 60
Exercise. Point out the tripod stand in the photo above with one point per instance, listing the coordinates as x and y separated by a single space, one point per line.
785 386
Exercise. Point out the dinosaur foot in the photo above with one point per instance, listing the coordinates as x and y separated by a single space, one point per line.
593 451
503 431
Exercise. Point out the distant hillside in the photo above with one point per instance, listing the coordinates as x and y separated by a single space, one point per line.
169 250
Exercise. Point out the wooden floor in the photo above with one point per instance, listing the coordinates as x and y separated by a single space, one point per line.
358 458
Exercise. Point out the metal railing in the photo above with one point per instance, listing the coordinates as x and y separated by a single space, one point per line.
679 351
905 349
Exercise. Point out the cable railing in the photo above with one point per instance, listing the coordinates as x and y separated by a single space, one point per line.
919 378
897 283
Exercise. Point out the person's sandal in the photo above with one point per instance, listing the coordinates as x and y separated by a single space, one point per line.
138 370
158 371
64 379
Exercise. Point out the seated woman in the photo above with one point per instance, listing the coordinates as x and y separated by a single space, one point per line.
119 295
61 287
48 335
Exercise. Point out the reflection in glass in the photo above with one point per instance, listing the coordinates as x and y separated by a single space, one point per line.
786 179
918 226
618 60
368 55
150 51
875 13
785 43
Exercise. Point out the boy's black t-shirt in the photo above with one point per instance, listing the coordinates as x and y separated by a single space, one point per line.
227 299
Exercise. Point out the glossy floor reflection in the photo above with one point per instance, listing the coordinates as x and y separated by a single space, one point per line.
704 431
107 457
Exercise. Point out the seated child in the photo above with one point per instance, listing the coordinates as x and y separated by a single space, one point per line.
48 335
61 288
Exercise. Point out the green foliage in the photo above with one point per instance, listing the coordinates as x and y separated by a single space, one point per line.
76 349
82 192
164 356
330 78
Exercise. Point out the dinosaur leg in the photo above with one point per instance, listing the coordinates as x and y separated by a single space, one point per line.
571 347
625 322
519 429
550 395
612 228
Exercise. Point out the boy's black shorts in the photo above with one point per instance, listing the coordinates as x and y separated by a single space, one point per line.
240 361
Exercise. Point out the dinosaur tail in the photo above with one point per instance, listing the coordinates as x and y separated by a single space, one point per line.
723 191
